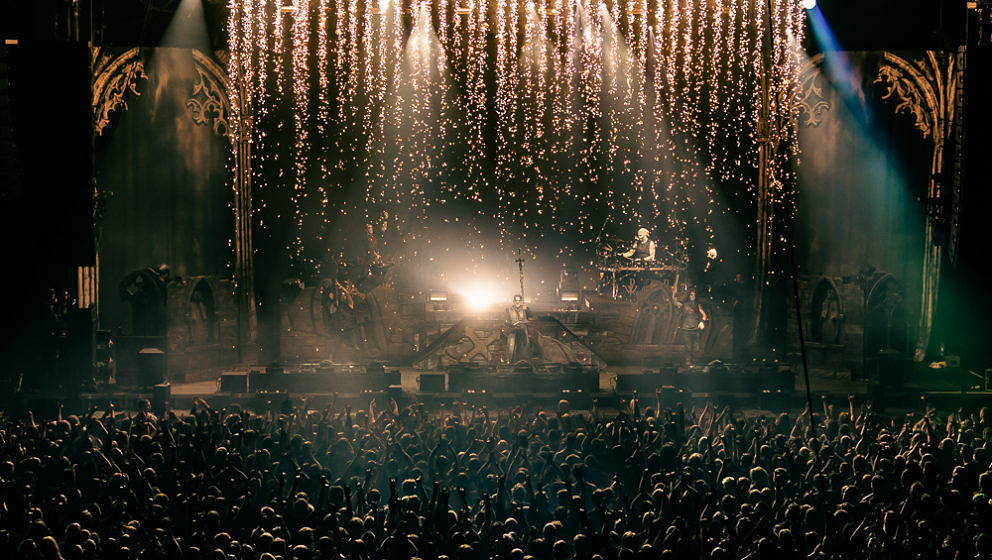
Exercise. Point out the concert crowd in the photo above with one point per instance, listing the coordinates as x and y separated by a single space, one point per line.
469 483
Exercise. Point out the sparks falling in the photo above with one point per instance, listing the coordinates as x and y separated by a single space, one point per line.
537 117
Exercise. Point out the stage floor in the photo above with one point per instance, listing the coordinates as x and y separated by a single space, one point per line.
820 383
941 392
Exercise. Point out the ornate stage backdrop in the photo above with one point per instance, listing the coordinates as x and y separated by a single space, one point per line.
162 181
877 196
519 123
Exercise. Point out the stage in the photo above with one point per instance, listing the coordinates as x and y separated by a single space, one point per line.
396 219
941 390
441 351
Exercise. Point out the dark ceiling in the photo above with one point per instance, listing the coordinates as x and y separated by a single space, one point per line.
857 24
895 24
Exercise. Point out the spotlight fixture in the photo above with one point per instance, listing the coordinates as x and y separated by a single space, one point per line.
437 296
568 286
438 300
568 296
809 4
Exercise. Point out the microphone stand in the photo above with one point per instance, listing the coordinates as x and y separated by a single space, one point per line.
520 267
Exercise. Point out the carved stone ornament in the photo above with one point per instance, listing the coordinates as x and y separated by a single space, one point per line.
813 104
209 104
923 88
926 89
114 80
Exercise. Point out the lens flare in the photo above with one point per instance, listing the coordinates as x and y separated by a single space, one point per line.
481 296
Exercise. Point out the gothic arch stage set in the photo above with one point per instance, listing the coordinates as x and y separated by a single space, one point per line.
244 307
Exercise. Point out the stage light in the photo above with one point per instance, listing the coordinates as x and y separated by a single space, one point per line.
85 287
569 296
437 296
187 28
568 285
809 4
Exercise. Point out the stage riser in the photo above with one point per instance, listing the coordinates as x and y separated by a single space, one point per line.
309 382
47 407
729 382
523 383
577 401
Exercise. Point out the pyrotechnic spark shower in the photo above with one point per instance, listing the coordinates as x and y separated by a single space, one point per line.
537 117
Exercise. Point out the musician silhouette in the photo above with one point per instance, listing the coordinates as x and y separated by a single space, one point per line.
518 339
692 322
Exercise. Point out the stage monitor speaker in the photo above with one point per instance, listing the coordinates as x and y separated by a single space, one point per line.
646 383
431 382
161 394
375 368
234 383
775 400
76 356
151 367
378 377
395 392
102 356
393 377
670 395
101 347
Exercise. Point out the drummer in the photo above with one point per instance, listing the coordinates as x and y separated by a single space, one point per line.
643 248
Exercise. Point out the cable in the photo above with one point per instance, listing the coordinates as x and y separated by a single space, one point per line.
799 317
809 393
